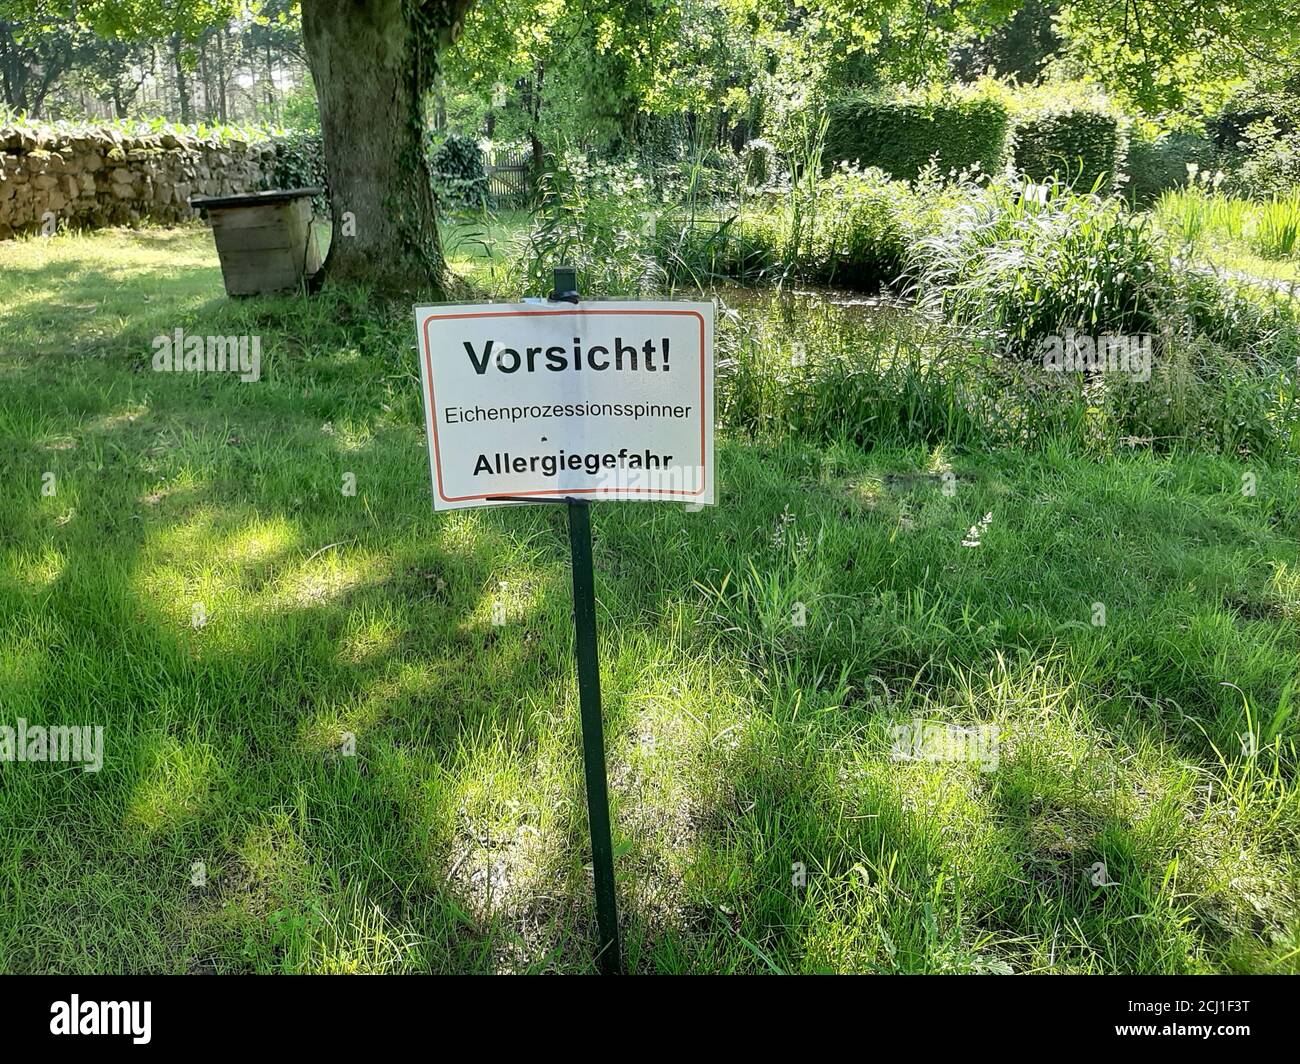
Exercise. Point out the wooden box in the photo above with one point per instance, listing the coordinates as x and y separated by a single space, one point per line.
264 239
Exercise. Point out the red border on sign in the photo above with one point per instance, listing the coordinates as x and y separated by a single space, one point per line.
433 405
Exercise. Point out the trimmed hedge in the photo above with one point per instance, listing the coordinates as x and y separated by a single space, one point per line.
901 136
1081 146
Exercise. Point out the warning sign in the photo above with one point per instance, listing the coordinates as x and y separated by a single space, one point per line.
594 400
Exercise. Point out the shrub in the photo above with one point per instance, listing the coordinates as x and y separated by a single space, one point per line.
600 218
762 164
850 229
1267 161
1258 135
1020 268
747 246
1249 106
857 233
1159 163
960 130
1204 303
300 163
459 173
299 109
876 374
1083 146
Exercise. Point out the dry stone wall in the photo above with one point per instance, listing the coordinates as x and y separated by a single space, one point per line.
95 177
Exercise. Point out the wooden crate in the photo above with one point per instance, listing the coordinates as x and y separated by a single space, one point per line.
264 239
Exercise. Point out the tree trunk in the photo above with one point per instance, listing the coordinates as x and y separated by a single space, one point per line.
270 85
439 105
205 75
373 62
221 75
182 89
534 137
15 72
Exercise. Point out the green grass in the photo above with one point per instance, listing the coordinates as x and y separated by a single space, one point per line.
1260 238
740 744
1284 272
481 247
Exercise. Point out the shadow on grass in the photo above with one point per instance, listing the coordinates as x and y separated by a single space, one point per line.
455 838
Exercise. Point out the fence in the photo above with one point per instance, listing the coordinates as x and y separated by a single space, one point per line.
510 179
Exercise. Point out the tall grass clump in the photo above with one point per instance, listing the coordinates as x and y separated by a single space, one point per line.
599 217
812 370
1017 263
823 371
851 230
1192 215
1277 227
1199 214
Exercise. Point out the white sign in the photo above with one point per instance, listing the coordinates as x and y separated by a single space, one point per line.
549 400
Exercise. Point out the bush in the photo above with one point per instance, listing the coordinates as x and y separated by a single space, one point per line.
598 217
1249 106
300 163
746 246
1258 136
1020 268
1015 270
960 130
299 109
886 374
1083 146
850 229
1267 162
856 231
1158 164
459 172
762 165
1206 304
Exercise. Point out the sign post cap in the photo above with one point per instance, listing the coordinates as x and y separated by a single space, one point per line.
566 285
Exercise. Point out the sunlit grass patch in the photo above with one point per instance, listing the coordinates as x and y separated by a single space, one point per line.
370 742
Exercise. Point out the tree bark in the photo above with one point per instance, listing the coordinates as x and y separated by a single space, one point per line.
373 61
10 72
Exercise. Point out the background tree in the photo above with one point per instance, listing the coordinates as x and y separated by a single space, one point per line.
40 41
604 75
374 64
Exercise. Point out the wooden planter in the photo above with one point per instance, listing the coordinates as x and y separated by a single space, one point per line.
264 239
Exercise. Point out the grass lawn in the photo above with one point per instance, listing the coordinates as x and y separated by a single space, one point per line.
742 747
1239 261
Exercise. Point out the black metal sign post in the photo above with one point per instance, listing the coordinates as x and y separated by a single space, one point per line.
545 489
587 659
593 732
